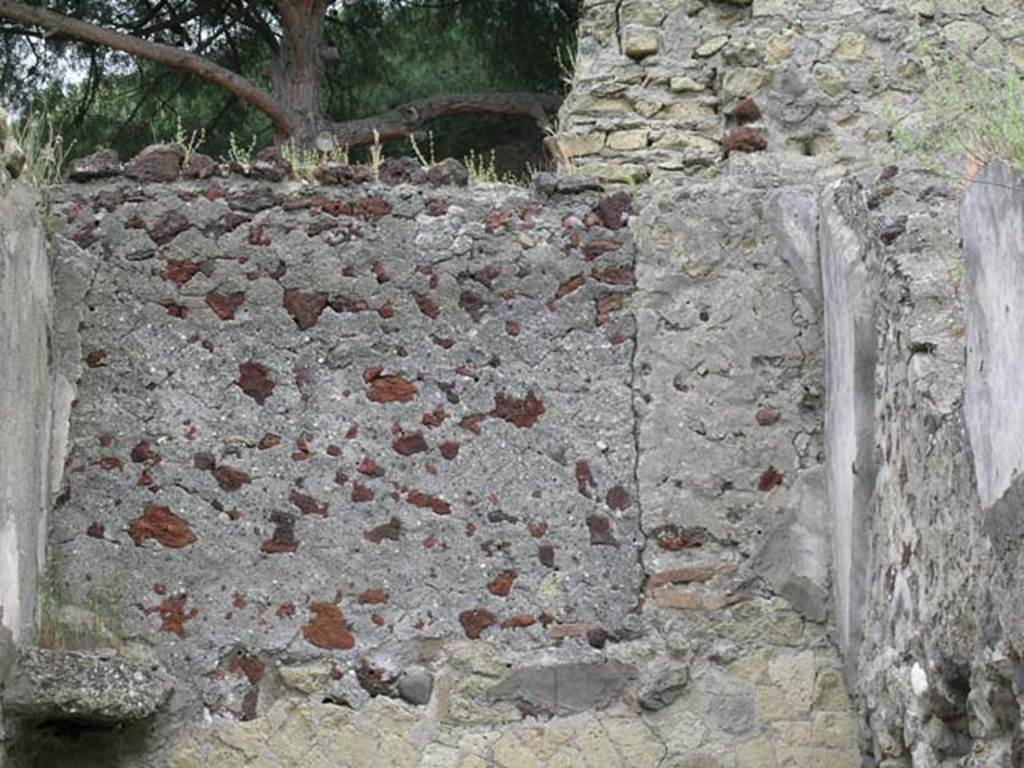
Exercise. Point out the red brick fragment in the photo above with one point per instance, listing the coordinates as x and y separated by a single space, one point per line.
449 450
283 539
744 139
613 211
96 358
427 305
180 272
475 622
163 525
519 621
247 666
173 615
607 304
110 463
328 628
411 444
390 530
434 418
501 584
360 493
307 505
512 328
769 479
370 468
253 380
269 441
96 531
569 286
230 479
143 453
746 110
767 416
600 531
614 276
373 597
169 227
523 413
224 305
425 501
472 423
584 479
617 498
391 389
598 247
305 308
673 538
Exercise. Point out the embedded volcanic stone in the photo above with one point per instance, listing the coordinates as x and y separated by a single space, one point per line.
744 140
343 173
158 522
157 162
448 173
328 628
96 687
565 689
101 164
200 166
416 685
401 170
268 165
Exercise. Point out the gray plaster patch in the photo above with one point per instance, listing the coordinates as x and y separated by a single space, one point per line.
992 219
562 689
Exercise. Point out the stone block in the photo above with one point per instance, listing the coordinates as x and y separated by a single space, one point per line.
639 42
628 140
96 687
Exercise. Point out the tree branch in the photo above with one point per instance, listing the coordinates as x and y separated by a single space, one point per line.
246 90
401 121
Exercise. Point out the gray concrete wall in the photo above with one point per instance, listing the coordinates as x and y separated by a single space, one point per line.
502 478
992 216
26 406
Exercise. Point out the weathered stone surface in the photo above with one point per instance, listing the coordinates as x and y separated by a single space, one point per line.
565 688
101 164
156 163
994 403
88 687
33 403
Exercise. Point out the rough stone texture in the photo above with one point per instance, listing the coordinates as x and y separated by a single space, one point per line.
84 687
366 445
821 73
939 623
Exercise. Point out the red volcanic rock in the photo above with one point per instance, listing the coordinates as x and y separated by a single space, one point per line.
328 628
254 381
744 139
521 412
305 308
163 525
475 622
391 389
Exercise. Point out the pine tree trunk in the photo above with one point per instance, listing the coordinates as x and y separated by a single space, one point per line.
297 74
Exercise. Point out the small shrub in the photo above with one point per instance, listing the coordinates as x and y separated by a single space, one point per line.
240 154
46 152
188 141
969 113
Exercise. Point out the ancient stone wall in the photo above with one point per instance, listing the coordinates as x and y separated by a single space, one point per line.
414 475
663 87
